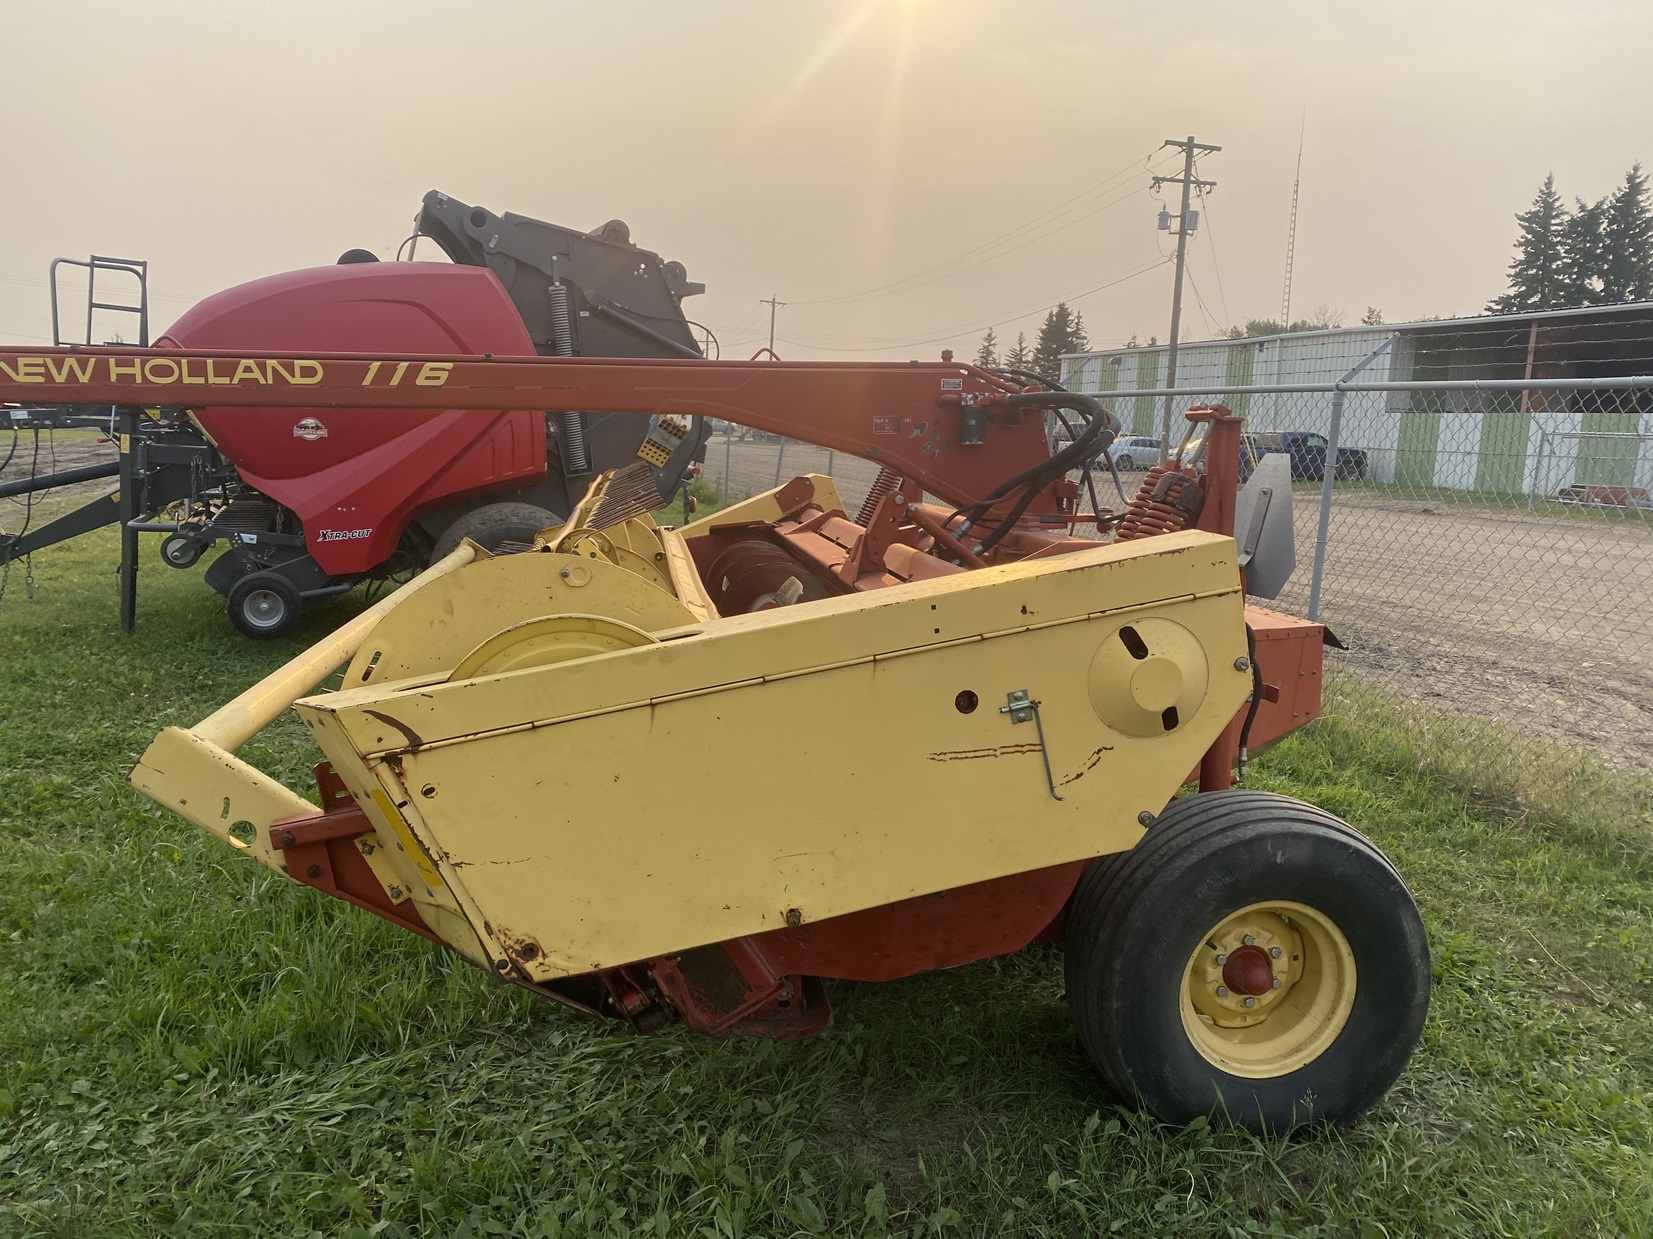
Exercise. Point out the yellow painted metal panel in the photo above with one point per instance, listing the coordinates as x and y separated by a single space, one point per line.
217 791
403 863
811 759
449 617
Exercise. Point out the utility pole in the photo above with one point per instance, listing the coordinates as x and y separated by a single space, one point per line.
773 305
1185 225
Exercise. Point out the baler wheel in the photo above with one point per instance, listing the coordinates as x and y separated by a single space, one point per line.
496 527
179 551
263 604
1253 958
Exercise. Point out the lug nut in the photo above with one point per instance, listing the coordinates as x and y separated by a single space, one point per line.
1145 818
1221 960
1274 952
1275 984
1249 940
1251 1002
1222 991
1242 663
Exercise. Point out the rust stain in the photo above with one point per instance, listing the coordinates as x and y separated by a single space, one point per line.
1003 750
524 948
1089 765
412 737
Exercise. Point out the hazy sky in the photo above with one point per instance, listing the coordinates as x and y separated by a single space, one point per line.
819 150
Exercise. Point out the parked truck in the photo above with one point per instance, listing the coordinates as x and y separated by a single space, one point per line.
1307 451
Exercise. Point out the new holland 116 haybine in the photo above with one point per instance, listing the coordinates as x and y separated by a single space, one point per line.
691 774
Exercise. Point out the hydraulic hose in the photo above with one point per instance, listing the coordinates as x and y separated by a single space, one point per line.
1256 697
1098 419
1099 431
1090 482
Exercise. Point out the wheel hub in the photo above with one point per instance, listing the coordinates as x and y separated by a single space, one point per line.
1249 971
1268 989
265 606
1246 966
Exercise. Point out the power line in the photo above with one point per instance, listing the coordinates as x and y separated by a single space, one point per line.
998 320
1211 239
916 279
25 281
1206 312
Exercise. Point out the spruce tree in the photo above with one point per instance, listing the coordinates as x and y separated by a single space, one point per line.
1060 333
987 355
1627 242
1019 358
1536 278
1583 253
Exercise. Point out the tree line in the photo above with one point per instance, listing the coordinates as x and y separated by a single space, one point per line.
1597 253
1063 331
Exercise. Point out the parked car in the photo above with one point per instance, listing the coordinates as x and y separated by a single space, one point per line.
1307 452
1132 452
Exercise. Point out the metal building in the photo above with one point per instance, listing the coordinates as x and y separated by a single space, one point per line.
1495 441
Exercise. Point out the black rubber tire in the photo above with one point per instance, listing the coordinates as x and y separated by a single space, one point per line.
495 527
1125 462
1136 919
178 551
262 605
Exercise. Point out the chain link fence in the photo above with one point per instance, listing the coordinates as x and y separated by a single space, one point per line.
1487 557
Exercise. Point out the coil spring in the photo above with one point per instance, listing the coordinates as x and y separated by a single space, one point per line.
1146 515
886 482
572 425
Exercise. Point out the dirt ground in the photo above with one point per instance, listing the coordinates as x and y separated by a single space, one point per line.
64 449
1542 623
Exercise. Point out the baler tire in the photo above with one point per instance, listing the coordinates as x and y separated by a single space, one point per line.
494 527
1351 1009
262 605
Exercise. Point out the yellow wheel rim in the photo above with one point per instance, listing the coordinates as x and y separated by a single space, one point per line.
1268 990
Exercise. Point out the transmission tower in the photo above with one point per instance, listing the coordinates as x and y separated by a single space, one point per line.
1291 236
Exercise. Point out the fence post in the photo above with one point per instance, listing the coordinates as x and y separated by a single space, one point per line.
1326 476
780 455
1328 473
728 494
1538 470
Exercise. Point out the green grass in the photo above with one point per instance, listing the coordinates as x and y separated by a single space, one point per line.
707 497
191 1046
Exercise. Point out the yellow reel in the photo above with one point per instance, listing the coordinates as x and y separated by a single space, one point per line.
549 639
